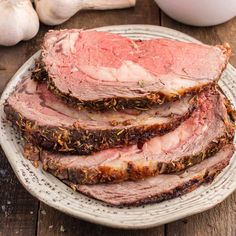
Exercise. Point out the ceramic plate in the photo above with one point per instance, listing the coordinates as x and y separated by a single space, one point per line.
54 193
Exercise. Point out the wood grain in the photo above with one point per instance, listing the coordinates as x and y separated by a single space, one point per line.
145 12
18 209
52 222
220 220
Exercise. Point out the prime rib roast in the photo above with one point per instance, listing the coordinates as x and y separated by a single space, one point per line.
48 122
119 72
161 187
125 121
194 140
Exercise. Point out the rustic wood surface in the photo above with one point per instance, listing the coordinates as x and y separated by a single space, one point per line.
21 214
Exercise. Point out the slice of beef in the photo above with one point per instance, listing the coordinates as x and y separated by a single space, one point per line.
47 122
203 134
102 70
161 187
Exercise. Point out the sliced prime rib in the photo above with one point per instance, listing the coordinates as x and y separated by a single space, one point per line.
48 122
161 187
102 70
200 136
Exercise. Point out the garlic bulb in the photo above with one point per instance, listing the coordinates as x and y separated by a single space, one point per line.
54 12
18 21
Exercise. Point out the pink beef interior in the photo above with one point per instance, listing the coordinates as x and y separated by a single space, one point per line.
128 193
189 139
34 102
109 65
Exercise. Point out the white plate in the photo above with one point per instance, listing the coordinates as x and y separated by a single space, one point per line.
54 193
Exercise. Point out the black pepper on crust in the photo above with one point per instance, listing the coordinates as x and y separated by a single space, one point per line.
138 165
39 74
137 198
83 141
96 175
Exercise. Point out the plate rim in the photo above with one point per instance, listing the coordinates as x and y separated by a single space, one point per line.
16 78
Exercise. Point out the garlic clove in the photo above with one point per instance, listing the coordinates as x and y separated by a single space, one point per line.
19 21
54 12
105 5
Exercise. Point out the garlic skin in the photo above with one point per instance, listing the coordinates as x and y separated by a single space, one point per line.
18 21
54 12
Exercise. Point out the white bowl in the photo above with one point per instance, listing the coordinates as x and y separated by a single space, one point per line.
199 12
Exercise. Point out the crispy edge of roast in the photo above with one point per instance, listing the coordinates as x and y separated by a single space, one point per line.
85 141
111 175
95 175
118 103
182 189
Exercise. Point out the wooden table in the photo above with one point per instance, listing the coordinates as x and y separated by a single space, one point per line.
22 214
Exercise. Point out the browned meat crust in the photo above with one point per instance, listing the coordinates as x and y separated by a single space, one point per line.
134 192
71 131
116 165
86 141
106 174
118 103
40 74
